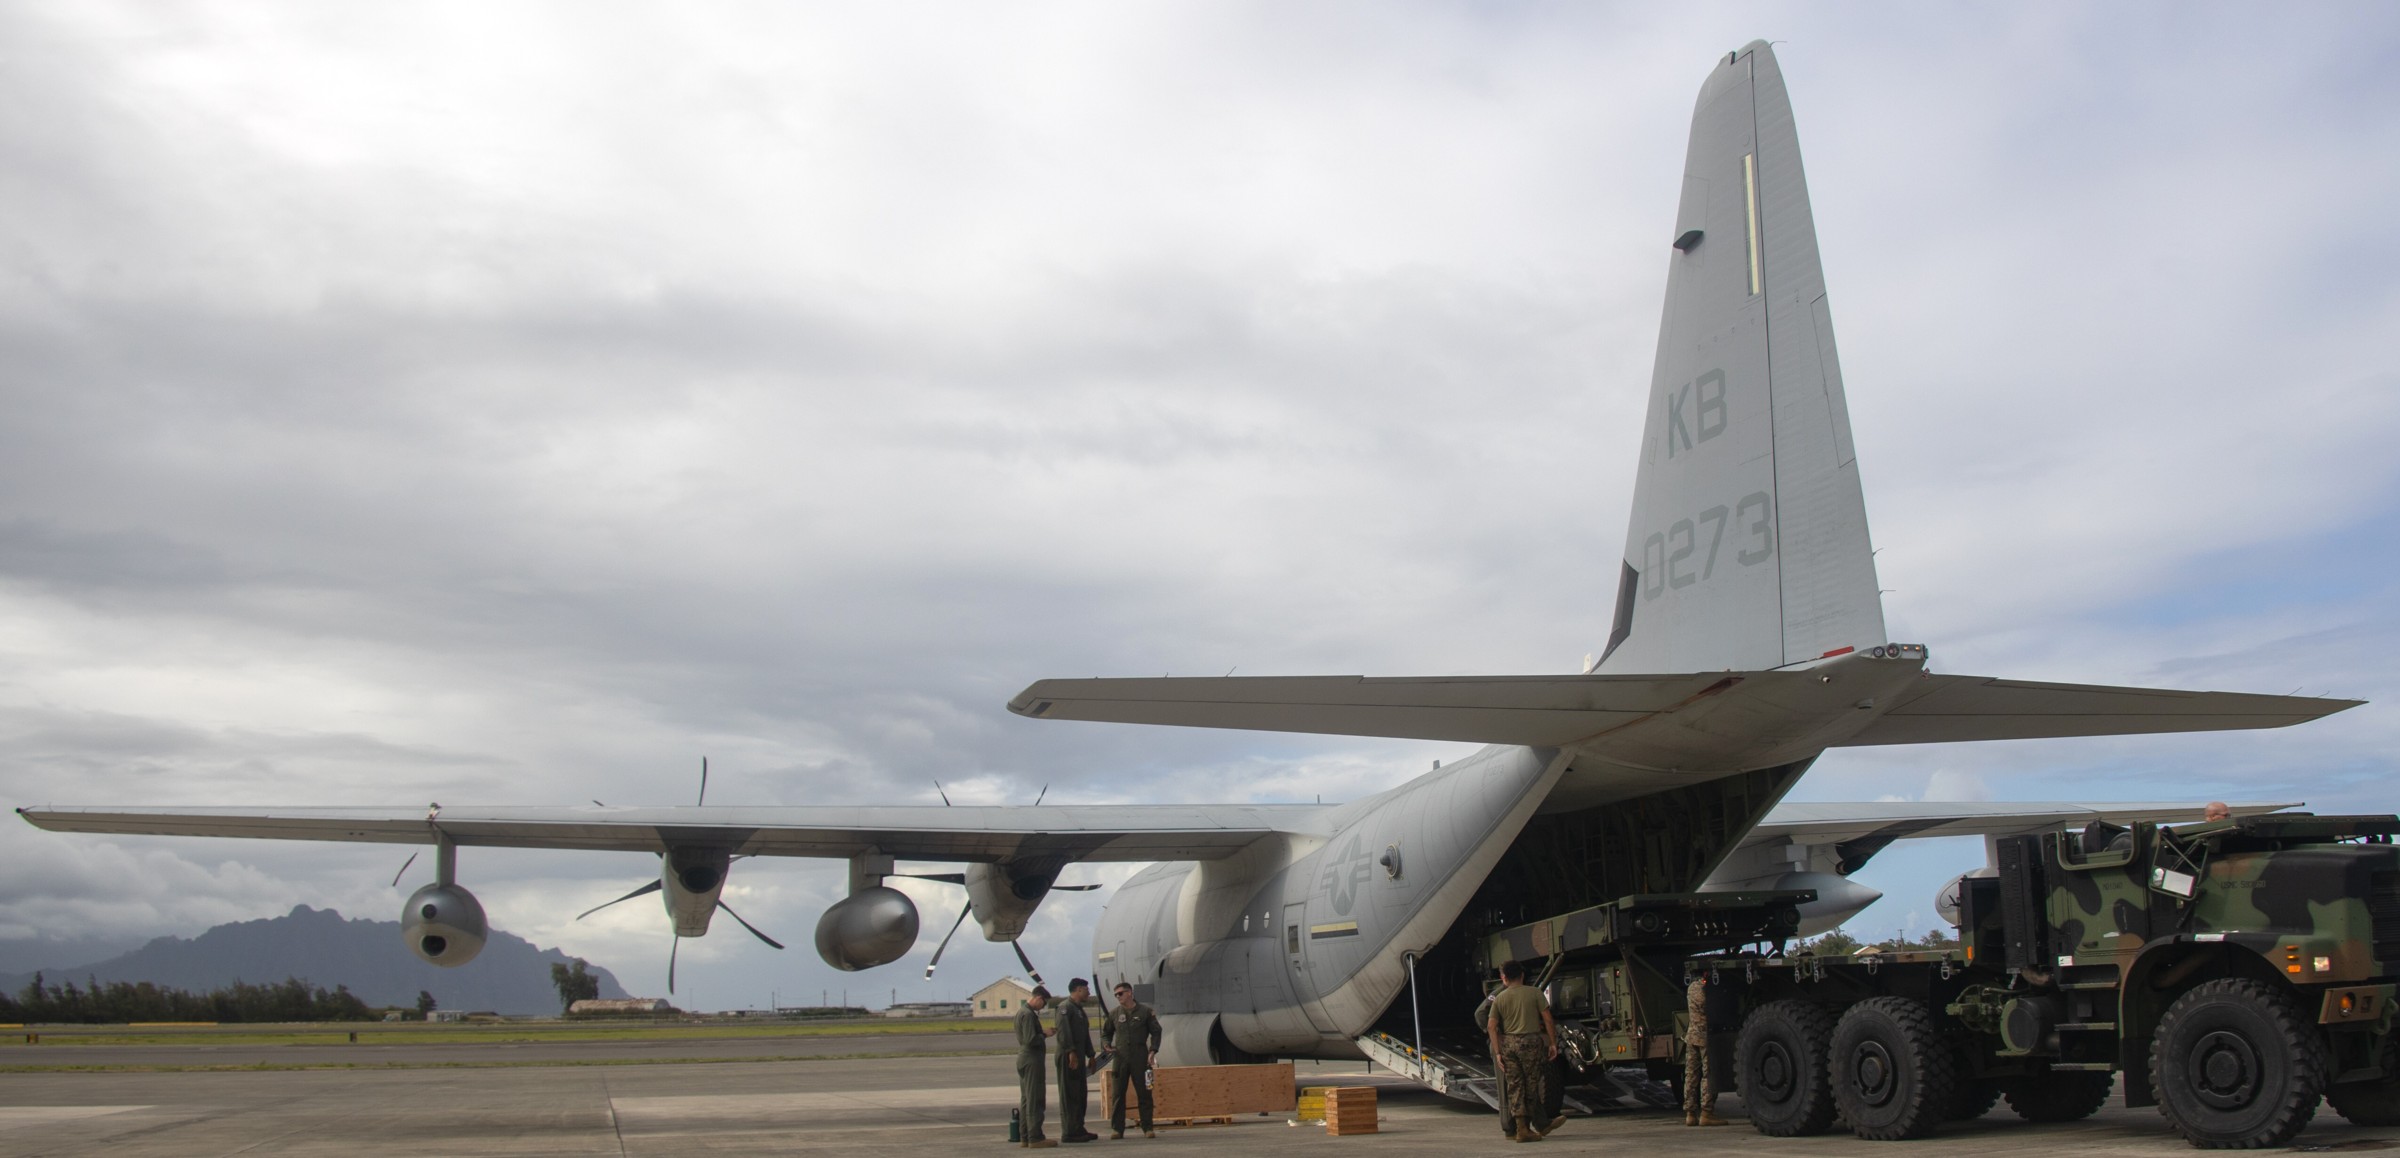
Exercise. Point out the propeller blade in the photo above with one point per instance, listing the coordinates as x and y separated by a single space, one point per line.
412 859
945 878
652 887
703 781
1037 799
747 925
1027 962
1074 888
673 944
938 950
937 788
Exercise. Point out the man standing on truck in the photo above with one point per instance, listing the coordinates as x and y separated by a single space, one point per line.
1523 1039
1699 1082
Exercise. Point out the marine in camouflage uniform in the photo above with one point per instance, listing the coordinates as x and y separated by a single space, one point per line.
1699 1081
1523 1039
1033 1091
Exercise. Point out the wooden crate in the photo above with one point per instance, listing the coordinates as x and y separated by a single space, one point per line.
1191 1094
1350 1110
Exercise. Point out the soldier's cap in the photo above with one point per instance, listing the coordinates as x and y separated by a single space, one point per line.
1078 983
1041 992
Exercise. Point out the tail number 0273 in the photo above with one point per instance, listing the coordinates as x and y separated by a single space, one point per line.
1667 555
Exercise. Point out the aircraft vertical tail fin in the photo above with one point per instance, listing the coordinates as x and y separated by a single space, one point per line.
1748 546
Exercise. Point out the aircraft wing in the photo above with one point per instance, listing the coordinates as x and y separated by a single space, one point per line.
919 832
1816 823
1942 708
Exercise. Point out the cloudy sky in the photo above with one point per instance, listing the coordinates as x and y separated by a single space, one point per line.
512 404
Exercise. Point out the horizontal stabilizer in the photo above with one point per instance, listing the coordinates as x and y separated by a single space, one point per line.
1535 711
1944 708
1612 713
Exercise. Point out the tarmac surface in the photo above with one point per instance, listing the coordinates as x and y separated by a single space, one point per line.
612 1098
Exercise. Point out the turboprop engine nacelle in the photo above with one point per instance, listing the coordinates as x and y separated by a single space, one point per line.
1005 895
1946 899
444 925
1838 899
693 878
874 926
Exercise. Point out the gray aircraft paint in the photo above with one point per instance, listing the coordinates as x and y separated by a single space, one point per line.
1747 580
1748 546
1318 927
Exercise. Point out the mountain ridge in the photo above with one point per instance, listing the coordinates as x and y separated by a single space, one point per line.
320 946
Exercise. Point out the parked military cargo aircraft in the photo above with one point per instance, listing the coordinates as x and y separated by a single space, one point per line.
1748 638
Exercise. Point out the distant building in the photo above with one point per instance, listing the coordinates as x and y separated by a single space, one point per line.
617 1007
1001 998
931 1009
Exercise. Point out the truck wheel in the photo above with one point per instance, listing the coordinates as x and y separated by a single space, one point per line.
2236 1066
2375 1103
1891 1072
1970 1100
1780 1063
2069 1096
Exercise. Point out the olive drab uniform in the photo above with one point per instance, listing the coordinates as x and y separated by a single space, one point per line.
1074 1067
1554 1091
1699 1082
1134 1034
1032 1092
1483 1026
1526 1048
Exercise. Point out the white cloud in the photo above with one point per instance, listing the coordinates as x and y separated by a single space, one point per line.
419 403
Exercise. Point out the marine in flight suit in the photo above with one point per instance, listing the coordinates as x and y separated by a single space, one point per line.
1032 1088
1133 1032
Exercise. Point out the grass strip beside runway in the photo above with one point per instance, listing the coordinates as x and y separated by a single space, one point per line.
418 1033
253 1067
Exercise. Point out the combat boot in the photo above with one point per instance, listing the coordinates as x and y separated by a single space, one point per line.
1709 1119
1526 1134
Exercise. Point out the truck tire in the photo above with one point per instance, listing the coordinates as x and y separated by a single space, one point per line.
1970 1100
2375 1103
1891 1072
2236 1066
2069 1096
1780 1065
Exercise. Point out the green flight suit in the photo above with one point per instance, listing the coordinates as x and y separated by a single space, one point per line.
1134 1034
1074 1067
1033 1091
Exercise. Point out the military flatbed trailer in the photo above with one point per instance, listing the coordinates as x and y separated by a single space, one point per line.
2235 974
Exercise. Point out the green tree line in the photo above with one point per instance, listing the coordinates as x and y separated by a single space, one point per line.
120 1001
1841 943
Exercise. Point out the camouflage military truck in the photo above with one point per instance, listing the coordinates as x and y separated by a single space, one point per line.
2233 973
